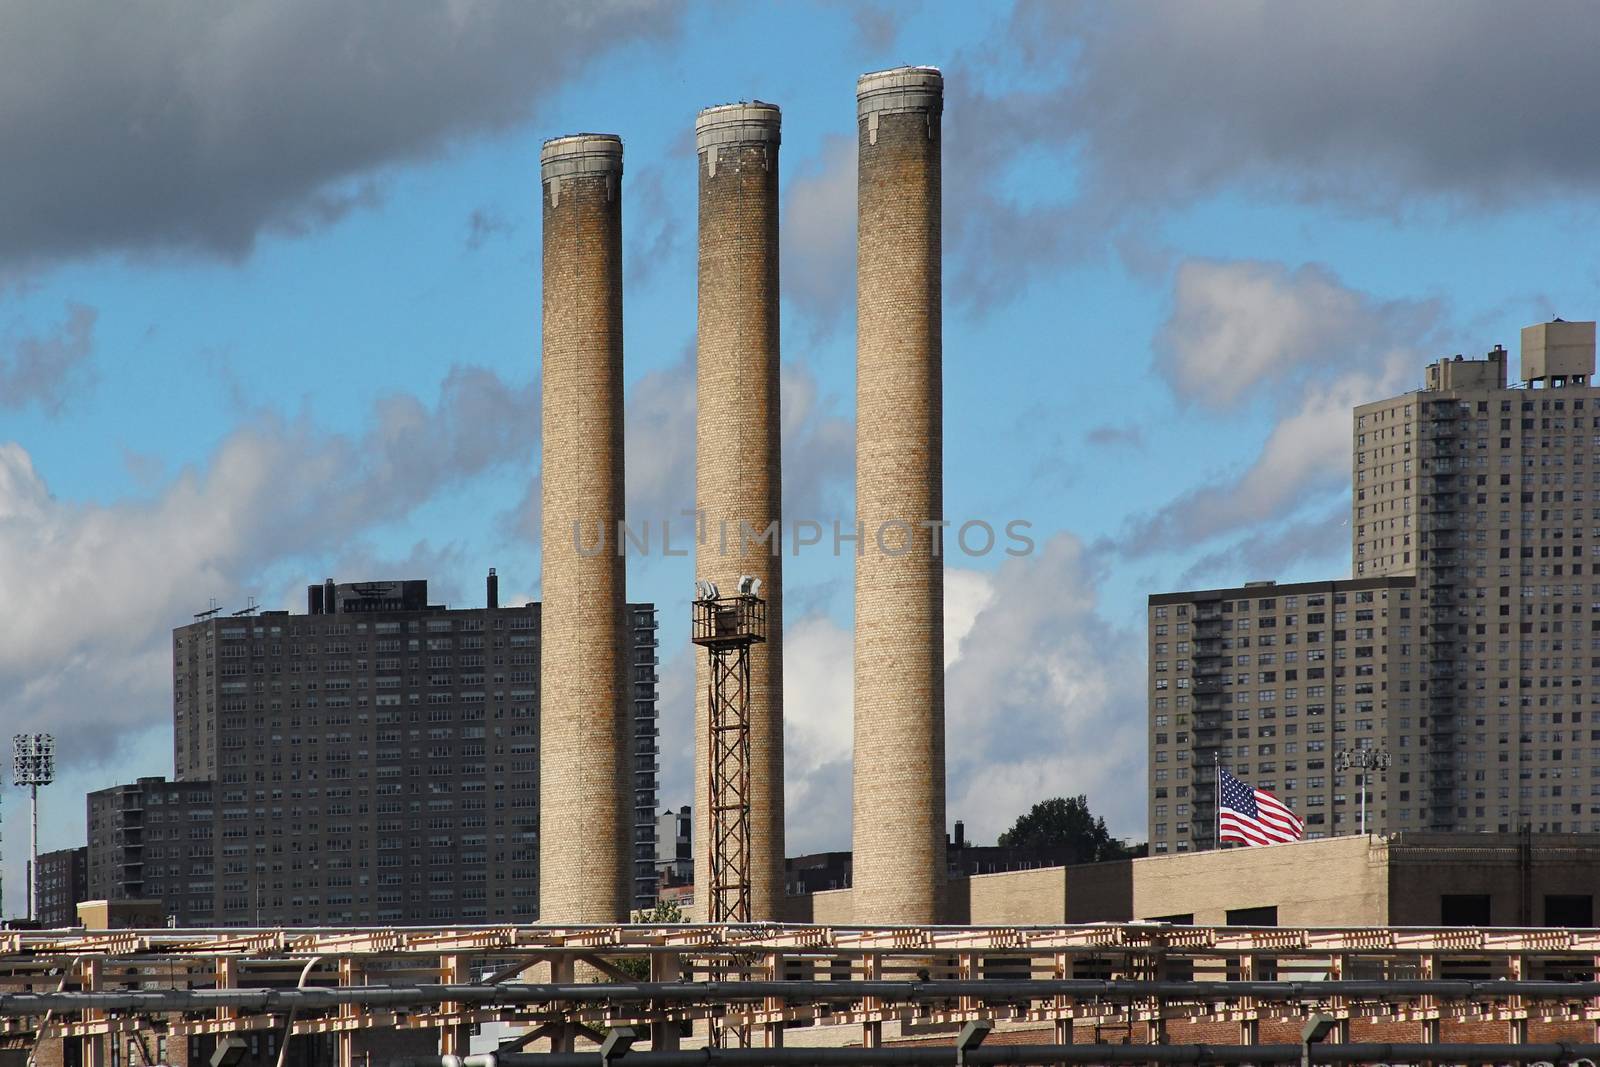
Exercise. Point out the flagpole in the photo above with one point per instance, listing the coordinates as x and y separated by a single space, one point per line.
1216 808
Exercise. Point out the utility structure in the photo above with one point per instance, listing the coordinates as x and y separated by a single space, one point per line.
1363 761
585 783
899 802
33 763
728 627
738 466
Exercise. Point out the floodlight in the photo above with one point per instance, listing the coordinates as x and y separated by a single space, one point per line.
971 1037
230 1050
617 1044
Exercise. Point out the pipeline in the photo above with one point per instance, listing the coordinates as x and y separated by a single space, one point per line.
943 1056
313 998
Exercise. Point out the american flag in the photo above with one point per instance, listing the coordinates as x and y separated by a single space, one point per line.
1253 816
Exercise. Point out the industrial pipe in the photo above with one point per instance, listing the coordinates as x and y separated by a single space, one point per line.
263 1000
937 1056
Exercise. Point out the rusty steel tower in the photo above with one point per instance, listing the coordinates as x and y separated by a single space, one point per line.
728 627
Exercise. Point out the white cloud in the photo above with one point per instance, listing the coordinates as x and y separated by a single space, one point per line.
1241 329
819 234
1043 698
818 713
1308 344
93 589
818 446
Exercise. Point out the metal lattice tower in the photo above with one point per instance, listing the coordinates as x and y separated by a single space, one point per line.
727 627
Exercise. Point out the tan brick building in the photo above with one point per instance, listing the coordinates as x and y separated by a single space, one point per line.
1412 879
1488 492
1271 681
1477 675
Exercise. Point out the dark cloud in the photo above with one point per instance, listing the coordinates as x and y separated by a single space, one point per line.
1108 436
878 25
485 224
1146 107
41 368
1358 102
188 126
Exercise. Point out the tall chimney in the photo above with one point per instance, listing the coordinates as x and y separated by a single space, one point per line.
899 824
330 598
491 597
585 788
737 466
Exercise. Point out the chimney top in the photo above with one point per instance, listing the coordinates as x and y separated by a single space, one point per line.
579 154
900 89
755 122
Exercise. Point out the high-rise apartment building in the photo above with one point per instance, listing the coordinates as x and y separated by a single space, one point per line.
1480 496
157 840
1488 492
374 760
1272 682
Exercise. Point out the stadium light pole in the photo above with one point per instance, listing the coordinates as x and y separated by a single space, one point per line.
33 763
1363 761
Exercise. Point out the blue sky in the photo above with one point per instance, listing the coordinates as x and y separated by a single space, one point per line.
269 311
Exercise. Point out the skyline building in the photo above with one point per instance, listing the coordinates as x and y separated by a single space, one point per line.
1475 506
1488 492
1271 682
374 760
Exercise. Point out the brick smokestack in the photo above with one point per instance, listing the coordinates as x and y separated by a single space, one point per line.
899 842
585 788
737 465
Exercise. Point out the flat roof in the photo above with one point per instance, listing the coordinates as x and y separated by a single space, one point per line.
1242 592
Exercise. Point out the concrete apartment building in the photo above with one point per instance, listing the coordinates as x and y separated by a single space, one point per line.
1488 492
372 761
156 840
1459 646
1271 681
63 885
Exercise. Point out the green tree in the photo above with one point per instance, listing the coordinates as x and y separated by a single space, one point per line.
1066 822
664 913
